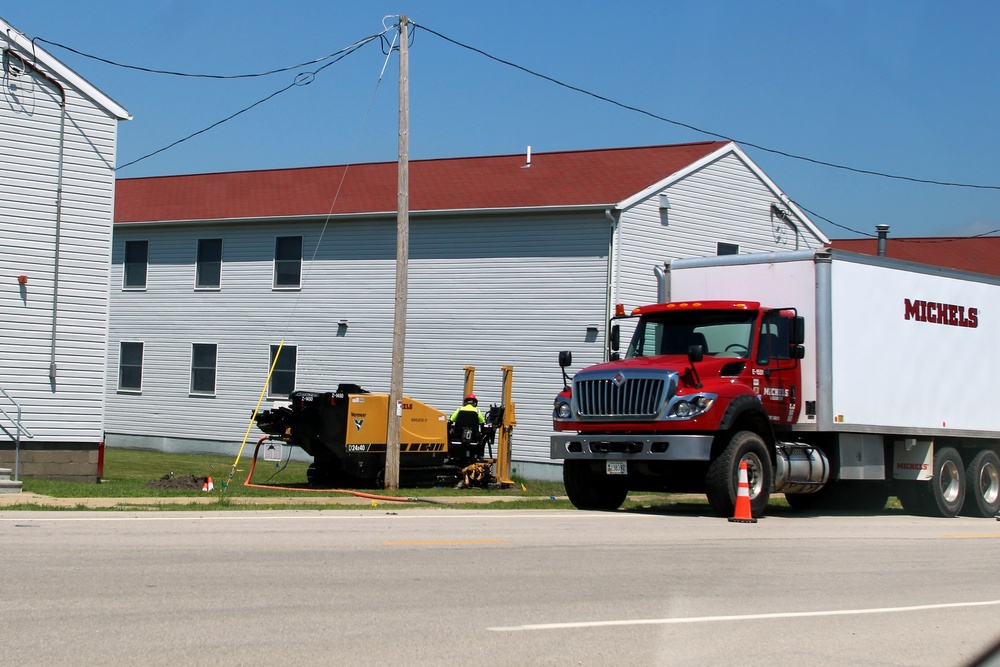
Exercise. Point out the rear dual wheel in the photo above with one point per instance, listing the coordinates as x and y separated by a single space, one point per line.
944 494
982 485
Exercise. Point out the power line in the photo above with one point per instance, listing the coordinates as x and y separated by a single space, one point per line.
301 79
193 75
710 133
825 219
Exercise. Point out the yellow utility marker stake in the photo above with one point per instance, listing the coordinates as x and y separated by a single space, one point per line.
253 416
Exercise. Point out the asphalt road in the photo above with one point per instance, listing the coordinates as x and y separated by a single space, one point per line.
446 587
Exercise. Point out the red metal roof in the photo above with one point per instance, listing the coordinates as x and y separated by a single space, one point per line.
570 178
980 254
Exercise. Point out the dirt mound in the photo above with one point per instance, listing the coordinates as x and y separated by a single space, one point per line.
182 482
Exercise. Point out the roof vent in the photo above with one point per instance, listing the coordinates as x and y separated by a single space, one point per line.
527 159
883 234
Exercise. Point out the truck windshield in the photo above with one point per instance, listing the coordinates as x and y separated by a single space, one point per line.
720 333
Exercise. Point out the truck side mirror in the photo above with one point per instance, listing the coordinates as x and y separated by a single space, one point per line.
797 331
565 358
696 353
797 352
614 340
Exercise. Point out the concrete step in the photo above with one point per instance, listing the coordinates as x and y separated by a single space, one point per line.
9 486
6 474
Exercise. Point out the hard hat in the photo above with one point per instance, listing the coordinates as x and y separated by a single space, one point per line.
471 398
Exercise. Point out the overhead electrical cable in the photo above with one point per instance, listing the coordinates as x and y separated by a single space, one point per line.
301 79
710 133
194 75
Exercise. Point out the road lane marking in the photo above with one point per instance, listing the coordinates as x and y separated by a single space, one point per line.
411 542
738 617
285 515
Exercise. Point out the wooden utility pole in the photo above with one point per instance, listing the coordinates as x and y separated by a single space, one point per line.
402 262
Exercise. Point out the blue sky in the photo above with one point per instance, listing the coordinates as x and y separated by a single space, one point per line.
907 88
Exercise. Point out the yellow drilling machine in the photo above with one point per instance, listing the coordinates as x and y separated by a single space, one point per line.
345 433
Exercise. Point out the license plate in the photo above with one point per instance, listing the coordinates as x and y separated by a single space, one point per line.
617 467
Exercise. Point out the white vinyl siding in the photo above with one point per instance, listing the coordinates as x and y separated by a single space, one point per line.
486 293
723 201
58 320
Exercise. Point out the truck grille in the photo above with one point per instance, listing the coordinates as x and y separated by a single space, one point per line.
622 397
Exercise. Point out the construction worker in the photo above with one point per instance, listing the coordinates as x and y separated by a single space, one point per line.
470 404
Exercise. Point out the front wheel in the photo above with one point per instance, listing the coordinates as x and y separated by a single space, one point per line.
590 488
722 480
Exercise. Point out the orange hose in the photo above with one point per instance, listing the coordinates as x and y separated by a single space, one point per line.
359 494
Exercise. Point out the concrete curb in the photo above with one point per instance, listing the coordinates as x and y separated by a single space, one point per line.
25 498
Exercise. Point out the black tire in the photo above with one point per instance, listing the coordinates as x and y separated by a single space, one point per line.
722 480
944 494
982 485
590 488
321 474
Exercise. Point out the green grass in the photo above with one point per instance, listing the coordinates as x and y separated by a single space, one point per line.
127 472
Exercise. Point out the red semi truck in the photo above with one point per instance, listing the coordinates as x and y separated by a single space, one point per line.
841 380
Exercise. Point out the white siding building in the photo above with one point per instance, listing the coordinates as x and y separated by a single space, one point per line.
509 263
57 179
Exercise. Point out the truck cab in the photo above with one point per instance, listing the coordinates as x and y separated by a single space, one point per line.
696 378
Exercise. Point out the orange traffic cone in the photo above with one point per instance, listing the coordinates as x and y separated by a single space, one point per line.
742 513
208 486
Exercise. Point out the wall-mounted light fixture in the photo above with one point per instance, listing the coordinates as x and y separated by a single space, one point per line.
22 280
342 323
592 328
664 201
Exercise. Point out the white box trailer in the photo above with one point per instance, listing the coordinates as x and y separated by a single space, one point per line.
895 347
890 396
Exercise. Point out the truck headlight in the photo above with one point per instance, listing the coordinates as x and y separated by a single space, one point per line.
691 407
562 410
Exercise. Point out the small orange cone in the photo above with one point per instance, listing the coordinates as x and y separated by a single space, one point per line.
208 486
742 513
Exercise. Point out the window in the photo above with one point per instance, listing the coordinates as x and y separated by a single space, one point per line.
283 376
136 258
721 333
208 272
287 261
130 366
774 337
203 359
727 249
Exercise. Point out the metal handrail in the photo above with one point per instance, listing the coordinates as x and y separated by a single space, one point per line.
18 430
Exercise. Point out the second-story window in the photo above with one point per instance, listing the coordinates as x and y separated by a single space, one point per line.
287 261
208 272
136 261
